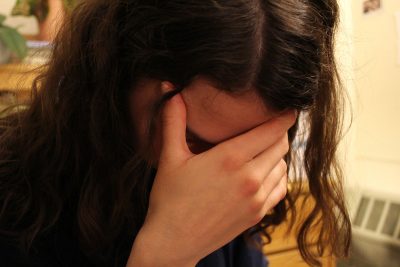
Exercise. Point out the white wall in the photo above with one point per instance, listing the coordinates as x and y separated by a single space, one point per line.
28 24
375 79
344 54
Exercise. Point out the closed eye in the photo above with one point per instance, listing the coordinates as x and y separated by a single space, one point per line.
196 144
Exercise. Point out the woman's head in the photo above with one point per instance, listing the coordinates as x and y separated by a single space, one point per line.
277 47
280 50
79 131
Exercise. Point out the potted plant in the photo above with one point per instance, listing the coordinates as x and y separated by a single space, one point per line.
10 42
49 14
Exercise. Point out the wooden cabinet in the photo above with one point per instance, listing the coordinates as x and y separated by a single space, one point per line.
283 250
292 258
16 82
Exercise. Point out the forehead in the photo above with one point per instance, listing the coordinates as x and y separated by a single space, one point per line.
215 115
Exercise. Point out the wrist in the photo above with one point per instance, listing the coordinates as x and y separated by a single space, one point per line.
150 250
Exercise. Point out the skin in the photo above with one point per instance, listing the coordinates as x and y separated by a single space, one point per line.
201 201
213 116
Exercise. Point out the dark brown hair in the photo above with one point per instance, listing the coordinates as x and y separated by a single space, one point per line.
70 152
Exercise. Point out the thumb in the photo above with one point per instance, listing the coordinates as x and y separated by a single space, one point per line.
174 148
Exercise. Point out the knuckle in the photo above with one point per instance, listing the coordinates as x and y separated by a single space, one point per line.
251 183
256 205
231 159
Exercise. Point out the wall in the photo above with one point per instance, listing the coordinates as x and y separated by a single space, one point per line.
375 157
344 55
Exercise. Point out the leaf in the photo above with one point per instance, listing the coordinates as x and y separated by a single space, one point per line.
2 19
22 7
14 41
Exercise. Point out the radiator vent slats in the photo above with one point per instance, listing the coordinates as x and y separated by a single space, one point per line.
378 217
392 219
375 215
362 209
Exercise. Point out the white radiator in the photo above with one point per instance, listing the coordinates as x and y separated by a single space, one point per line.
377 216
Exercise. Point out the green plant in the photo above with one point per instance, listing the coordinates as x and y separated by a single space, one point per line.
38 8
11 38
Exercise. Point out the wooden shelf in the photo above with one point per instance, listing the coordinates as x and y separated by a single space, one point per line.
17 79
283 250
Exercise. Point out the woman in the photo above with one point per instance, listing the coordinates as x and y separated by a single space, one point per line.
160 133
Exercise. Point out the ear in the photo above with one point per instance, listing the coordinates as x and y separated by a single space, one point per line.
166 87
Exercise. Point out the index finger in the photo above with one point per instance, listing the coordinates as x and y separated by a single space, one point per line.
261 137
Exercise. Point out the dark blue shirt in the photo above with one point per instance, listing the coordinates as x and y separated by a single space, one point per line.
235 254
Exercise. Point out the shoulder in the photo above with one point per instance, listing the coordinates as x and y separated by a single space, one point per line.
246 254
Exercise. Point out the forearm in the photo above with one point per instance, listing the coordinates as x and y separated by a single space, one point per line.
148 251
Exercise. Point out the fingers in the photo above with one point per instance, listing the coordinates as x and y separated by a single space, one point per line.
275 176
269 158
276 196
272 190
260 138
174 146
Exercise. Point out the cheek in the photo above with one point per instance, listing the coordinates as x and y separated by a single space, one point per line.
139 126
148 144
141 100
141 117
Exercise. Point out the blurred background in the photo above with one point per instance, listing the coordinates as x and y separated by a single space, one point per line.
368 52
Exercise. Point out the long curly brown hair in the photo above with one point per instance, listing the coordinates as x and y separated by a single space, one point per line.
71 151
